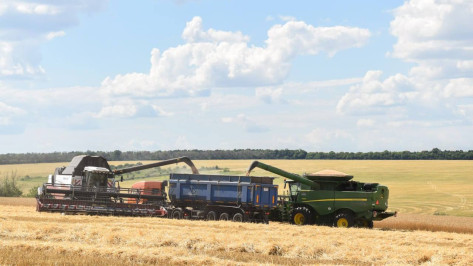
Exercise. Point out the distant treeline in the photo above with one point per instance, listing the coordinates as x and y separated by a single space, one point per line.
434 154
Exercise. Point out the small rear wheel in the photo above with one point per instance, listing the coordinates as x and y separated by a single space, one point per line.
176 214
364 223
224 217
211 216
238 217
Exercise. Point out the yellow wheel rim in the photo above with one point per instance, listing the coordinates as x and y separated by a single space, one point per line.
299 218
342 222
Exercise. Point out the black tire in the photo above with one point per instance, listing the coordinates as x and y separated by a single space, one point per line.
176 214
343 220
302 216
364 223
211 216
238 217
224 217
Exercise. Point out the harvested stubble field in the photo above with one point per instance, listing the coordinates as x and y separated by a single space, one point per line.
28 237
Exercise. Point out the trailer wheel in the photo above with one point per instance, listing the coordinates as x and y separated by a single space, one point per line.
238 217
211 216
224 217
343 220
301 216
176 214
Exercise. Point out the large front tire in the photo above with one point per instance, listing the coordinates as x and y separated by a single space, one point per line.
301 216
343 220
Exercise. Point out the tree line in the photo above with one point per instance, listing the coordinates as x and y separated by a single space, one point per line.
252 154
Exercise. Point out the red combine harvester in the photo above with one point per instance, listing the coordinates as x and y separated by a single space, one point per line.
88 185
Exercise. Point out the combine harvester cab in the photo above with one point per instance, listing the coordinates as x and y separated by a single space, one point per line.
221 197
88 185
329 197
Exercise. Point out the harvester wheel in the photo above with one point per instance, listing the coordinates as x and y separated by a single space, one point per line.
224 217
238 217
176 214
211 216
301 216
364 223
343 220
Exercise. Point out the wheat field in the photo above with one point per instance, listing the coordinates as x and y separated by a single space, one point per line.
28 237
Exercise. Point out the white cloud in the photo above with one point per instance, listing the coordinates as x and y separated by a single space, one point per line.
297 38
8 112
193 33
459 88
321 136
437 35
249 124
374 94
365 123
35 8
240 118
118 110
438 38
28 24
429 29
287 18
182 143
269 94
140 145
161 112
212 58
54 34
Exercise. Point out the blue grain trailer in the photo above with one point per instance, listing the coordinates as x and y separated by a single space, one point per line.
221 197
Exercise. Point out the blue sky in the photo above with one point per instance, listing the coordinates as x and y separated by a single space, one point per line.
159 75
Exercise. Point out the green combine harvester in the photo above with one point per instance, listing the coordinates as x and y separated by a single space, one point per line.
329 197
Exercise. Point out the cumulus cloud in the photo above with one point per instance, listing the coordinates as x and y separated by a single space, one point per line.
213 58
193 33
28 24
436 35
438 38
428 29
373 94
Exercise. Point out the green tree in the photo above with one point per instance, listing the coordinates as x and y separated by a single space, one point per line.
8 187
